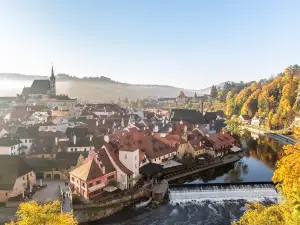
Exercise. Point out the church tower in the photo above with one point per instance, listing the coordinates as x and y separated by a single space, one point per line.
52 83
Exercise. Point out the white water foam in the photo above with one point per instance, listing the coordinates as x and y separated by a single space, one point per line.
219 193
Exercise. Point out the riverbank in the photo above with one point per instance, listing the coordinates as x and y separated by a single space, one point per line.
284 139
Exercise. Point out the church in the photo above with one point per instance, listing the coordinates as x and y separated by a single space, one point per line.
41 88
44 92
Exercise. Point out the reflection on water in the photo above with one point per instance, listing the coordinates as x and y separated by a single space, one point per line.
258 165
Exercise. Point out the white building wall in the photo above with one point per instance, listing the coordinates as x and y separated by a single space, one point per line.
159 160
10 150
121 176
78 149
130 160
3 132
27 143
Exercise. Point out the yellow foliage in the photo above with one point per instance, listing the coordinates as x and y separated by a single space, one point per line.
296 131
287 174
258 214
287 177
33 213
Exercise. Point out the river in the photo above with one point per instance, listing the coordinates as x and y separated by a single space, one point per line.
257 166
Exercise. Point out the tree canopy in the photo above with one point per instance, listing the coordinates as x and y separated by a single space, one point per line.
287 178
33 213
274 99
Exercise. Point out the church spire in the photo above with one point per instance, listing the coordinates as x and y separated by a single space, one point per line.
52 71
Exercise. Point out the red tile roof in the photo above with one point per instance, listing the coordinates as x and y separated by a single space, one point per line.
221 139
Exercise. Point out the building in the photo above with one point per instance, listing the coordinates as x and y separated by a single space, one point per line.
92 176
245 119
17 178
27 135
190 116
221 142
11 146
165 101
59 102
42 88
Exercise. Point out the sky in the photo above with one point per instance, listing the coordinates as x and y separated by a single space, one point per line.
188 44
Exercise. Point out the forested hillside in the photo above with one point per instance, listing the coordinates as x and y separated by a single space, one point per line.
275 99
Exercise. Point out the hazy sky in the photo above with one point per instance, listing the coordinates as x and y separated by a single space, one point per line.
189 44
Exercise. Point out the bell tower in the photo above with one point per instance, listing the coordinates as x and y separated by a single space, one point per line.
52 83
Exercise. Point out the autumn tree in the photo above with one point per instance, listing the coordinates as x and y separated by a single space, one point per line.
287 180
33 213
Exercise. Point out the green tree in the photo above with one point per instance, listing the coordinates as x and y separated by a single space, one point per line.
234 125
213 91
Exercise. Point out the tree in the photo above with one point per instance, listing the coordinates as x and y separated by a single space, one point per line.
213 91
234 125
287 178
33 213
195 96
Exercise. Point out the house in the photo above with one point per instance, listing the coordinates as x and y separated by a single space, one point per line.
245 119
3 131
17 178
165 101
256 121
190 116
211 120
221 142
11 146
82 145
92 176
124 175
56 167
27 135
60 102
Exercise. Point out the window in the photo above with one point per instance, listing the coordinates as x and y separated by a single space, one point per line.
30 141
125 156
42 156
140 141
72 178
25 147
98 182
56 169
83 184
71 149
85 149
48 175
75 149
23 178
5 194
135 165
110 177
90 184
77 181
135 158
25 140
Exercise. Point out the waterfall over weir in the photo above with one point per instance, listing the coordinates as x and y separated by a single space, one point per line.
219 192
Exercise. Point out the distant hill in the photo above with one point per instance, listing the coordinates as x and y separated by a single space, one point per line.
94 88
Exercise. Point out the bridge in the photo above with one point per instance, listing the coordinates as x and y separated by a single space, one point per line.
223 191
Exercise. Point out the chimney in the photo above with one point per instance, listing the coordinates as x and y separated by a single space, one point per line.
200 143
91 138
201 106
106 138
56 140
74 139
103 169
97 123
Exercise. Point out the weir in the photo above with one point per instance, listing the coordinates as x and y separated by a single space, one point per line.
223 191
